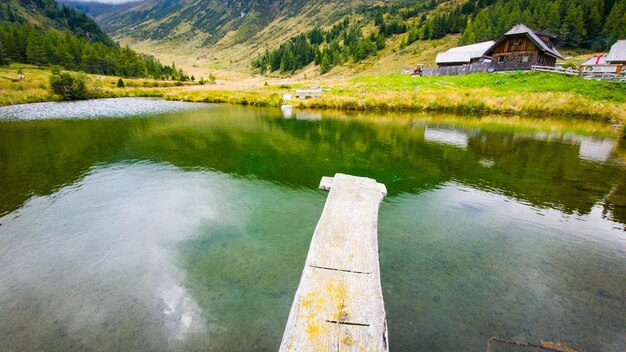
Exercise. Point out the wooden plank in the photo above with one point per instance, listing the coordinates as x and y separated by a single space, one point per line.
339 303
309 93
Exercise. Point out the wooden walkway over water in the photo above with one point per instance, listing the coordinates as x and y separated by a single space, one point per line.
339 303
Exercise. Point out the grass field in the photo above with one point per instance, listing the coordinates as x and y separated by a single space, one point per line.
533 94
35 87
526 94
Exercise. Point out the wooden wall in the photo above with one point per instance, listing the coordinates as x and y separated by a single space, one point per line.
508 46
509 56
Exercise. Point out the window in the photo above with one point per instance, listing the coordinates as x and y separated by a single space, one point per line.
517 41
525 58
501 59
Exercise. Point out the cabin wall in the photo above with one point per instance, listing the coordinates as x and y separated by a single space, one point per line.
515 44
519 53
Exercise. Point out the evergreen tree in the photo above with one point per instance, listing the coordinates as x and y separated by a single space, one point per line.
27 44
573 26
380 41
615 27
34 49
553 18
326 64
426 31
4 59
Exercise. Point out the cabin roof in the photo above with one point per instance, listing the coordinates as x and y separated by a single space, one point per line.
464 54
596 60
618 52
533 36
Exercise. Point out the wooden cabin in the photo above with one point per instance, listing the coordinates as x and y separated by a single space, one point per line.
521 48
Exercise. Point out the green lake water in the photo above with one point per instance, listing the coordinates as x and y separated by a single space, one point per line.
188 229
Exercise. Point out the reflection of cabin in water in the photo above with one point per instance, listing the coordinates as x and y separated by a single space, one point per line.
521 48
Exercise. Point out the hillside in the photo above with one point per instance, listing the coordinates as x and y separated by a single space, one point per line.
47 14
218 35
96 9
235 37
41 33
206 22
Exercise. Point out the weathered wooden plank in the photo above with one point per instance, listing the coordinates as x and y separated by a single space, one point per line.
339 304
309 93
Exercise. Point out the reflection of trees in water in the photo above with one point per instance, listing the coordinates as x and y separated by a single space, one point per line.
38 157
547 172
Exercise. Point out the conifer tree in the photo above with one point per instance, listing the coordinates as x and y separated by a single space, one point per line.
380 41
573 26
326 64
4 59
34 50
615 27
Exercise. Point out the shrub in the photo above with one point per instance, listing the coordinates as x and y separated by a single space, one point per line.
69 86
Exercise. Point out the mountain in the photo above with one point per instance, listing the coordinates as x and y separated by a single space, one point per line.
219 34
208 21
47 14
229 34
97 9
41 33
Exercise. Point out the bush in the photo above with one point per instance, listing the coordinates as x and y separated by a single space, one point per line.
120 83
69 86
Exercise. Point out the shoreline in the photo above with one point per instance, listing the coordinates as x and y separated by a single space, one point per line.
524 94
467 107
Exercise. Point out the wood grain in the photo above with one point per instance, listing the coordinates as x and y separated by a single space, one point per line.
339 303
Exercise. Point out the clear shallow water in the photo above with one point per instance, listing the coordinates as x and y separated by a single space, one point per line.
85 109
188 230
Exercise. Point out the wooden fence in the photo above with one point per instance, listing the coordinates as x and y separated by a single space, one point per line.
600 76
456 70
561 70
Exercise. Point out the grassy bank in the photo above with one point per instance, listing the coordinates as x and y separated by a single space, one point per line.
530 93
522 94
35 87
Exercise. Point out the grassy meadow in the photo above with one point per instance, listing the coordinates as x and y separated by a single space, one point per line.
534 94
35 87
524 93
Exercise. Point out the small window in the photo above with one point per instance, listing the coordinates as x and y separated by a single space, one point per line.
525 58
517 41
501 59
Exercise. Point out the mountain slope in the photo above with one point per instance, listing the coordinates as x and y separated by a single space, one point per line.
229 34
96 9
39 32
213 19
213 35
47 14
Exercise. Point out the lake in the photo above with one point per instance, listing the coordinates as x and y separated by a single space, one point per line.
139 224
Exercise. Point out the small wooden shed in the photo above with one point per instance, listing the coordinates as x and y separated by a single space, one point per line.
521 48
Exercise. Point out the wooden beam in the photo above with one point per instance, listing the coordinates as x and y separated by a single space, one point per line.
339 303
